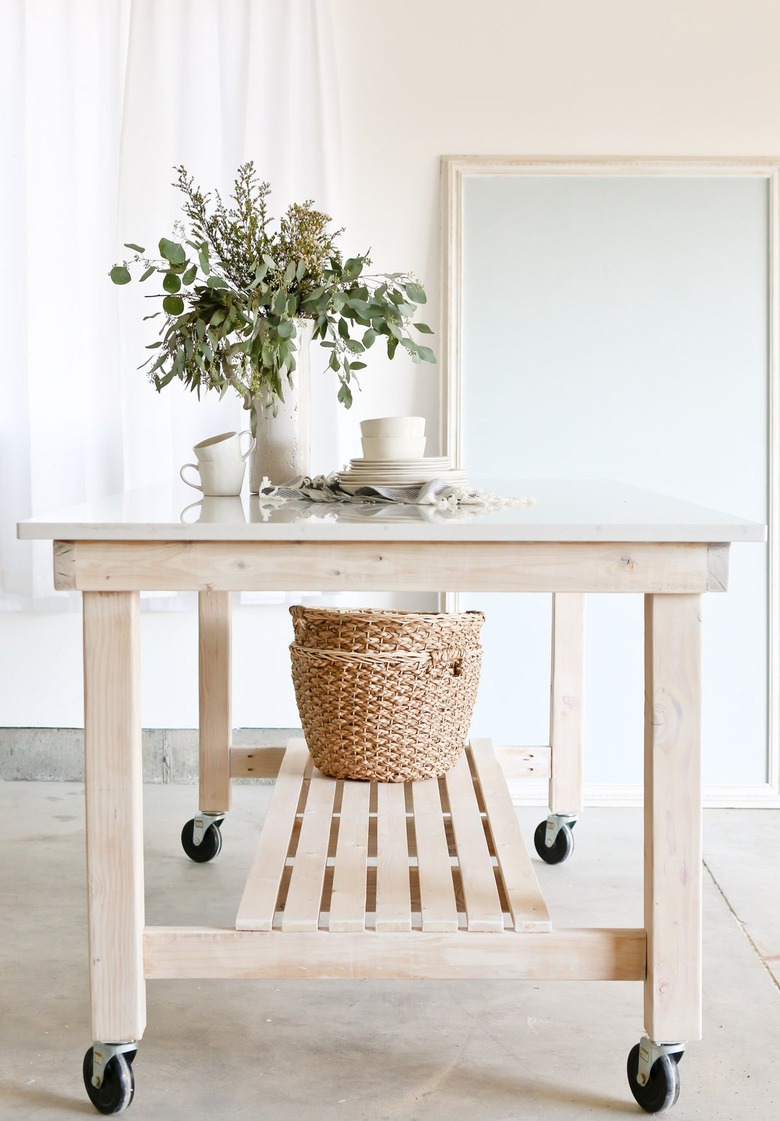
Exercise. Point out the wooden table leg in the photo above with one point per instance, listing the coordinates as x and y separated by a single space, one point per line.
113 787
566 756
214 667
673 817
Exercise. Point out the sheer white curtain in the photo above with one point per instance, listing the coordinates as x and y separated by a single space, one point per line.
101 99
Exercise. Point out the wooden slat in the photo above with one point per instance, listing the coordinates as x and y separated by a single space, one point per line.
479 566
523 894
215 723
302 908
483 907
567 955
437 893
393 899
348 896
258 903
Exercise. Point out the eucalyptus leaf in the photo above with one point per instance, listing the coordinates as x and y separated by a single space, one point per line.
416 293
426 354
120 275
174 305
216 282
171 282
135 248
147 274
172 251
423 328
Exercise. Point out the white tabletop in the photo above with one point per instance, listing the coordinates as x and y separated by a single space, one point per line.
562 510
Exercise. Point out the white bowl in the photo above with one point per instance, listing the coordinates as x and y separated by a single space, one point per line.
393 447
393 426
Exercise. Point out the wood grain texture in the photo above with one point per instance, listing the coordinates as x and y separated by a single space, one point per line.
215 723
393 901
522 566
521 887
594 954
483 906
673 817
114 815
566 703
348 896
258 901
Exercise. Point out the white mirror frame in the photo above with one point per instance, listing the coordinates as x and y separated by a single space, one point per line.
455 170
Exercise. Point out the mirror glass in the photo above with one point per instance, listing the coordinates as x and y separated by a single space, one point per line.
616 326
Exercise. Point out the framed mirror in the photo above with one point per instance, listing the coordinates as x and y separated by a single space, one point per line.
618 319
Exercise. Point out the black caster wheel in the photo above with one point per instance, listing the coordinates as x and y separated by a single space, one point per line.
561 850
208 848
663 1086
118 1087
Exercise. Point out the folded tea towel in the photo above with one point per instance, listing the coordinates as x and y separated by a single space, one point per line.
438 492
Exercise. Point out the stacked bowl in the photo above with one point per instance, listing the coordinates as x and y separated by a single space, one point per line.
394 456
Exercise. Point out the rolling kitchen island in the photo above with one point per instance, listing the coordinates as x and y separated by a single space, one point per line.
427 880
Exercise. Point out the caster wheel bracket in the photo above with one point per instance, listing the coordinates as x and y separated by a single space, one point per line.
103 1053
649 1052
555 822
202 822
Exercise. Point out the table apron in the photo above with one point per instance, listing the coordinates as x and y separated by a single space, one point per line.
392 566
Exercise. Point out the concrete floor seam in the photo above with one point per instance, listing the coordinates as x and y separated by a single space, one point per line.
742 927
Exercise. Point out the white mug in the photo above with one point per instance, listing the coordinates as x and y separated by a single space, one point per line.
221 464
225 445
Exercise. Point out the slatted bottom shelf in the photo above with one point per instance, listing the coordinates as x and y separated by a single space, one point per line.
440 856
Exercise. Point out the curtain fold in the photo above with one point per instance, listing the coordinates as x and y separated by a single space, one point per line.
101 100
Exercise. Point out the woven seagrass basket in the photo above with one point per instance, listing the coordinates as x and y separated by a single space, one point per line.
385 696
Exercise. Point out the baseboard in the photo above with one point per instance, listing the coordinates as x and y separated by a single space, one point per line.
171 755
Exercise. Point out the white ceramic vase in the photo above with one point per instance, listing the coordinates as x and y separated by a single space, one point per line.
283 442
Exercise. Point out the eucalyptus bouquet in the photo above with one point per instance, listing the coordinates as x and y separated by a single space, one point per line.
235 286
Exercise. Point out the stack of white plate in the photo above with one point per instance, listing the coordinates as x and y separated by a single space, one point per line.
398 472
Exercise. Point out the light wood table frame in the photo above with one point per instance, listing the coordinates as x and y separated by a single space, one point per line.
671 561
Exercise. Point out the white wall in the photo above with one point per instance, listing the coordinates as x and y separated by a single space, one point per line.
426 77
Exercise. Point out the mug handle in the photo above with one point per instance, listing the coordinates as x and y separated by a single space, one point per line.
187 509
246 432
187 481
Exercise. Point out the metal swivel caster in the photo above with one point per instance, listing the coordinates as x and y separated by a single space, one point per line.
108 1076
653 1075
201 837
553 839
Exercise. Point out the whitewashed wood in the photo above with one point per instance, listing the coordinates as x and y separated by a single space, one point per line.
114 815
256 762
215 720
258 902
524 762
304 895
348 897
673 817
566 701
519 566
526 905
483 906
437 890
393 899
593 954
63 555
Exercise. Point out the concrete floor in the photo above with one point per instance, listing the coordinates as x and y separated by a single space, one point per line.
337 1051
